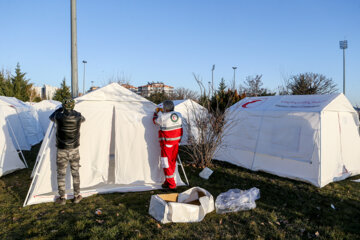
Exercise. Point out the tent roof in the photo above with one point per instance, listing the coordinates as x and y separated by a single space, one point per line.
295 103
177 102
112 92
46 104
12 101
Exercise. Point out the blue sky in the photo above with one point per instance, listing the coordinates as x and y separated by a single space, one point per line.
157 40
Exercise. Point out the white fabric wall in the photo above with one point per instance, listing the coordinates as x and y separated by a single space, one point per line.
44 109
9 158
27 118
340 146
15 128
137 147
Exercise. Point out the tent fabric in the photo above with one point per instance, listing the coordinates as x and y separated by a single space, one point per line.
119 149
190 111
9 158
44 109
313 138
26 130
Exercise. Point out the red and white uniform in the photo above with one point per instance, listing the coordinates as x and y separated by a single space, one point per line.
170 134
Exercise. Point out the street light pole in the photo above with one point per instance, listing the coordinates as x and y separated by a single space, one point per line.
234 74
343 46
212 80
84 62
74 60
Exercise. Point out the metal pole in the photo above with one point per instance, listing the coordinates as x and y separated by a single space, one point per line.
234 77
84 77
344 71
212 80
234 74
74 66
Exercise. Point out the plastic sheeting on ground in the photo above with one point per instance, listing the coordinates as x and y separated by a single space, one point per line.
236 200
189 206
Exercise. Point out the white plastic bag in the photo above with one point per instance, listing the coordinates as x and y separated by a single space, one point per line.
205 173
237 200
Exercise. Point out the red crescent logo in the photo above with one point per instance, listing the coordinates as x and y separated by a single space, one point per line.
245 105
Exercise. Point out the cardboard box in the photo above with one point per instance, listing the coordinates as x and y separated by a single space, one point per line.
189 206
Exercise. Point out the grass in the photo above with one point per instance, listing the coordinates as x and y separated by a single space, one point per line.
287 209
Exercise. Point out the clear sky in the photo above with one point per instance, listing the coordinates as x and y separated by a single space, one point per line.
158 40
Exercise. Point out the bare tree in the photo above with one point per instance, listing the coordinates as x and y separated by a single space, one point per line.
253 87
308 83
120 78
184 93
210 124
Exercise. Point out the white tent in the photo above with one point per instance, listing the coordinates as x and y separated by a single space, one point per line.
9 158
44 109
26 129
313 138
119 148
190 112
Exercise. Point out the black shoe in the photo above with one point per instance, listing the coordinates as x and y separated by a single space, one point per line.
166 187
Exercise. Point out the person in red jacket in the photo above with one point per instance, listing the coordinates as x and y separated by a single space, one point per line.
170 134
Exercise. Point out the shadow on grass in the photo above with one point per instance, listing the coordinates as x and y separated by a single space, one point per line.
287 209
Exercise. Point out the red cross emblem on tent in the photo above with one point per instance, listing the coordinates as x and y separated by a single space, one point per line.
245 105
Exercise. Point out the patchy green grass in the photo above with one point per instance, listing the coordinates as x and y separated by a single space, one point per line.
286 210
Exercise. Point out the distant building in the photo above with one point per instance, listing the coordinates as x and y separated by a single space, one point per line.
38 91
92 89
45 92
130 87
154 87
48 91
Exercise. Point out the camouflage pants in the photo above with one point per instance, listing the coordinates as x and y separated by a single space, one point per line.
63 157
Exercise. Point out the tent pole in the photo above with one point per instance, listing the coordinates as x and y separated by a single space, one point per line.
22 155
182 167
42 151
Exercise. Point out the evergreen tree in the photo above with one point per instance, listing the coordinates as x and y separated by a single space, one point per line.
21 88
224 99
2 84
63 92
158 97
222 86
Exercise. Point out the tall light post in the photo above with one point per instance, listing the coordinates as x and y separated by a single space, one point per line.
84 62
343 46
74 60
234 74
212 80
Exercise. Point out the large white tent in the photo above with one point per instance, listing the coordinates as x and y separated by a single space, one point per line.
9 158
26 130
44 109
191 112
119 148
313 138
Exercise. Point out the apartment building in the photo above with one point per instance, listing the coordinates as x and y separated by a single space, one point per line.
154 87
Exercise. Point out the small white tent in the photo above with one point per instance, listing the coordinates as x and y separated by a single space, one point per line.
190 112
26 129
9 158
119 148
313 138
44 109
